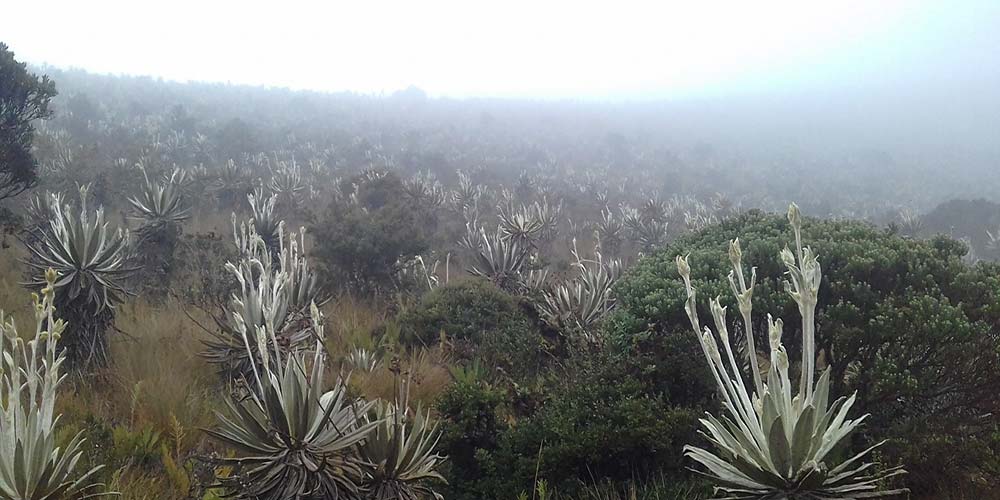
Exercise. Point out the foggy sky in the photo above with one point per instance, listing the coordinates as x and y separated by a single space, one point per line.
553 49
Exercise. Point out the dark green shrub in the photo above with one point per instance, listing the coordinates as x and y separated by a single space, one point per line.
156 251
905 323
479 321
361 243
471 426
598 423
24 98
235 138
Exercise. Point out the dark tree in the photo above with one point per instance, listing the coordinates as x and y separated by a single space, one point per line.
24 97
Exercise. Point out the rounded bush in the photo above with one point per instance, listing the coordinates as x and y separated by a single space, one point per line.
905 323
478 321
598 423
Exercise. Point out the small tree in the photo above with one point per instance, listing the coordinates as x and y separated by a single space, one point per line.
24 97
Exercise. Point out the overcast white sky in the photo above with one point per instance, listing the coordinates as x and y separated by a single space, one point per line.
516 48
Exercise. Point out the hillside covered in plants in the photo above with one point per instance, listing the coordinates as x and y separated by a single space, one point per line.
259 293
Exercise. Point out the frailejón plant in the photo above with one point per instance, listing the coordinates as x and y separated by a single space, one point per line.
777 441
401 448
32 465
92 263
294 439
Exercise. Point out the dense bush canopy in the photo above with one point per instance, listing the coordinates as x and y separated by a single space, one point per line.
479 321
905 323
361 241
597 422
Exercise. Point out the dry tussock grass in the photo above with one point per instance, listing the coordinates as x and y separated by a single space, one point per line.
158 370
352 323
14 299
426 369
158 380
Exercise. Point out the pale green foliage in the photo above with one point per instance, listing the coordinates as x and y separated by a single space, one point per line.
301 282
467 194
608 231
993 238
32 466
269 294
161 203
90 259
498 259
265 218
401 447
416 269
528 224
39 209
363 359
294 439
910 222
425 189
231 175
648 226
286 183
577 305
520 225
539 492
699 216
548 214
771 443
291 271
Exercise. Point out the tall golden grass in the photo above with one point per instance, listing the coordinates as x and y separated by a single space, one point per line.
353 323
157 382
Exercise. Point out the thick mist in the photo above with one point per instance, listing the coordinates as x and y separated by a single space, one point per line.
461 250
917 82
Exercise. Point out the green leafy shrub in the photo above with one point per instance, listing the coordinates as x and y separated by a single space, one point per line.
362 240
24 98
471 426
480 321
598 423
123 452
138 447
905 323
